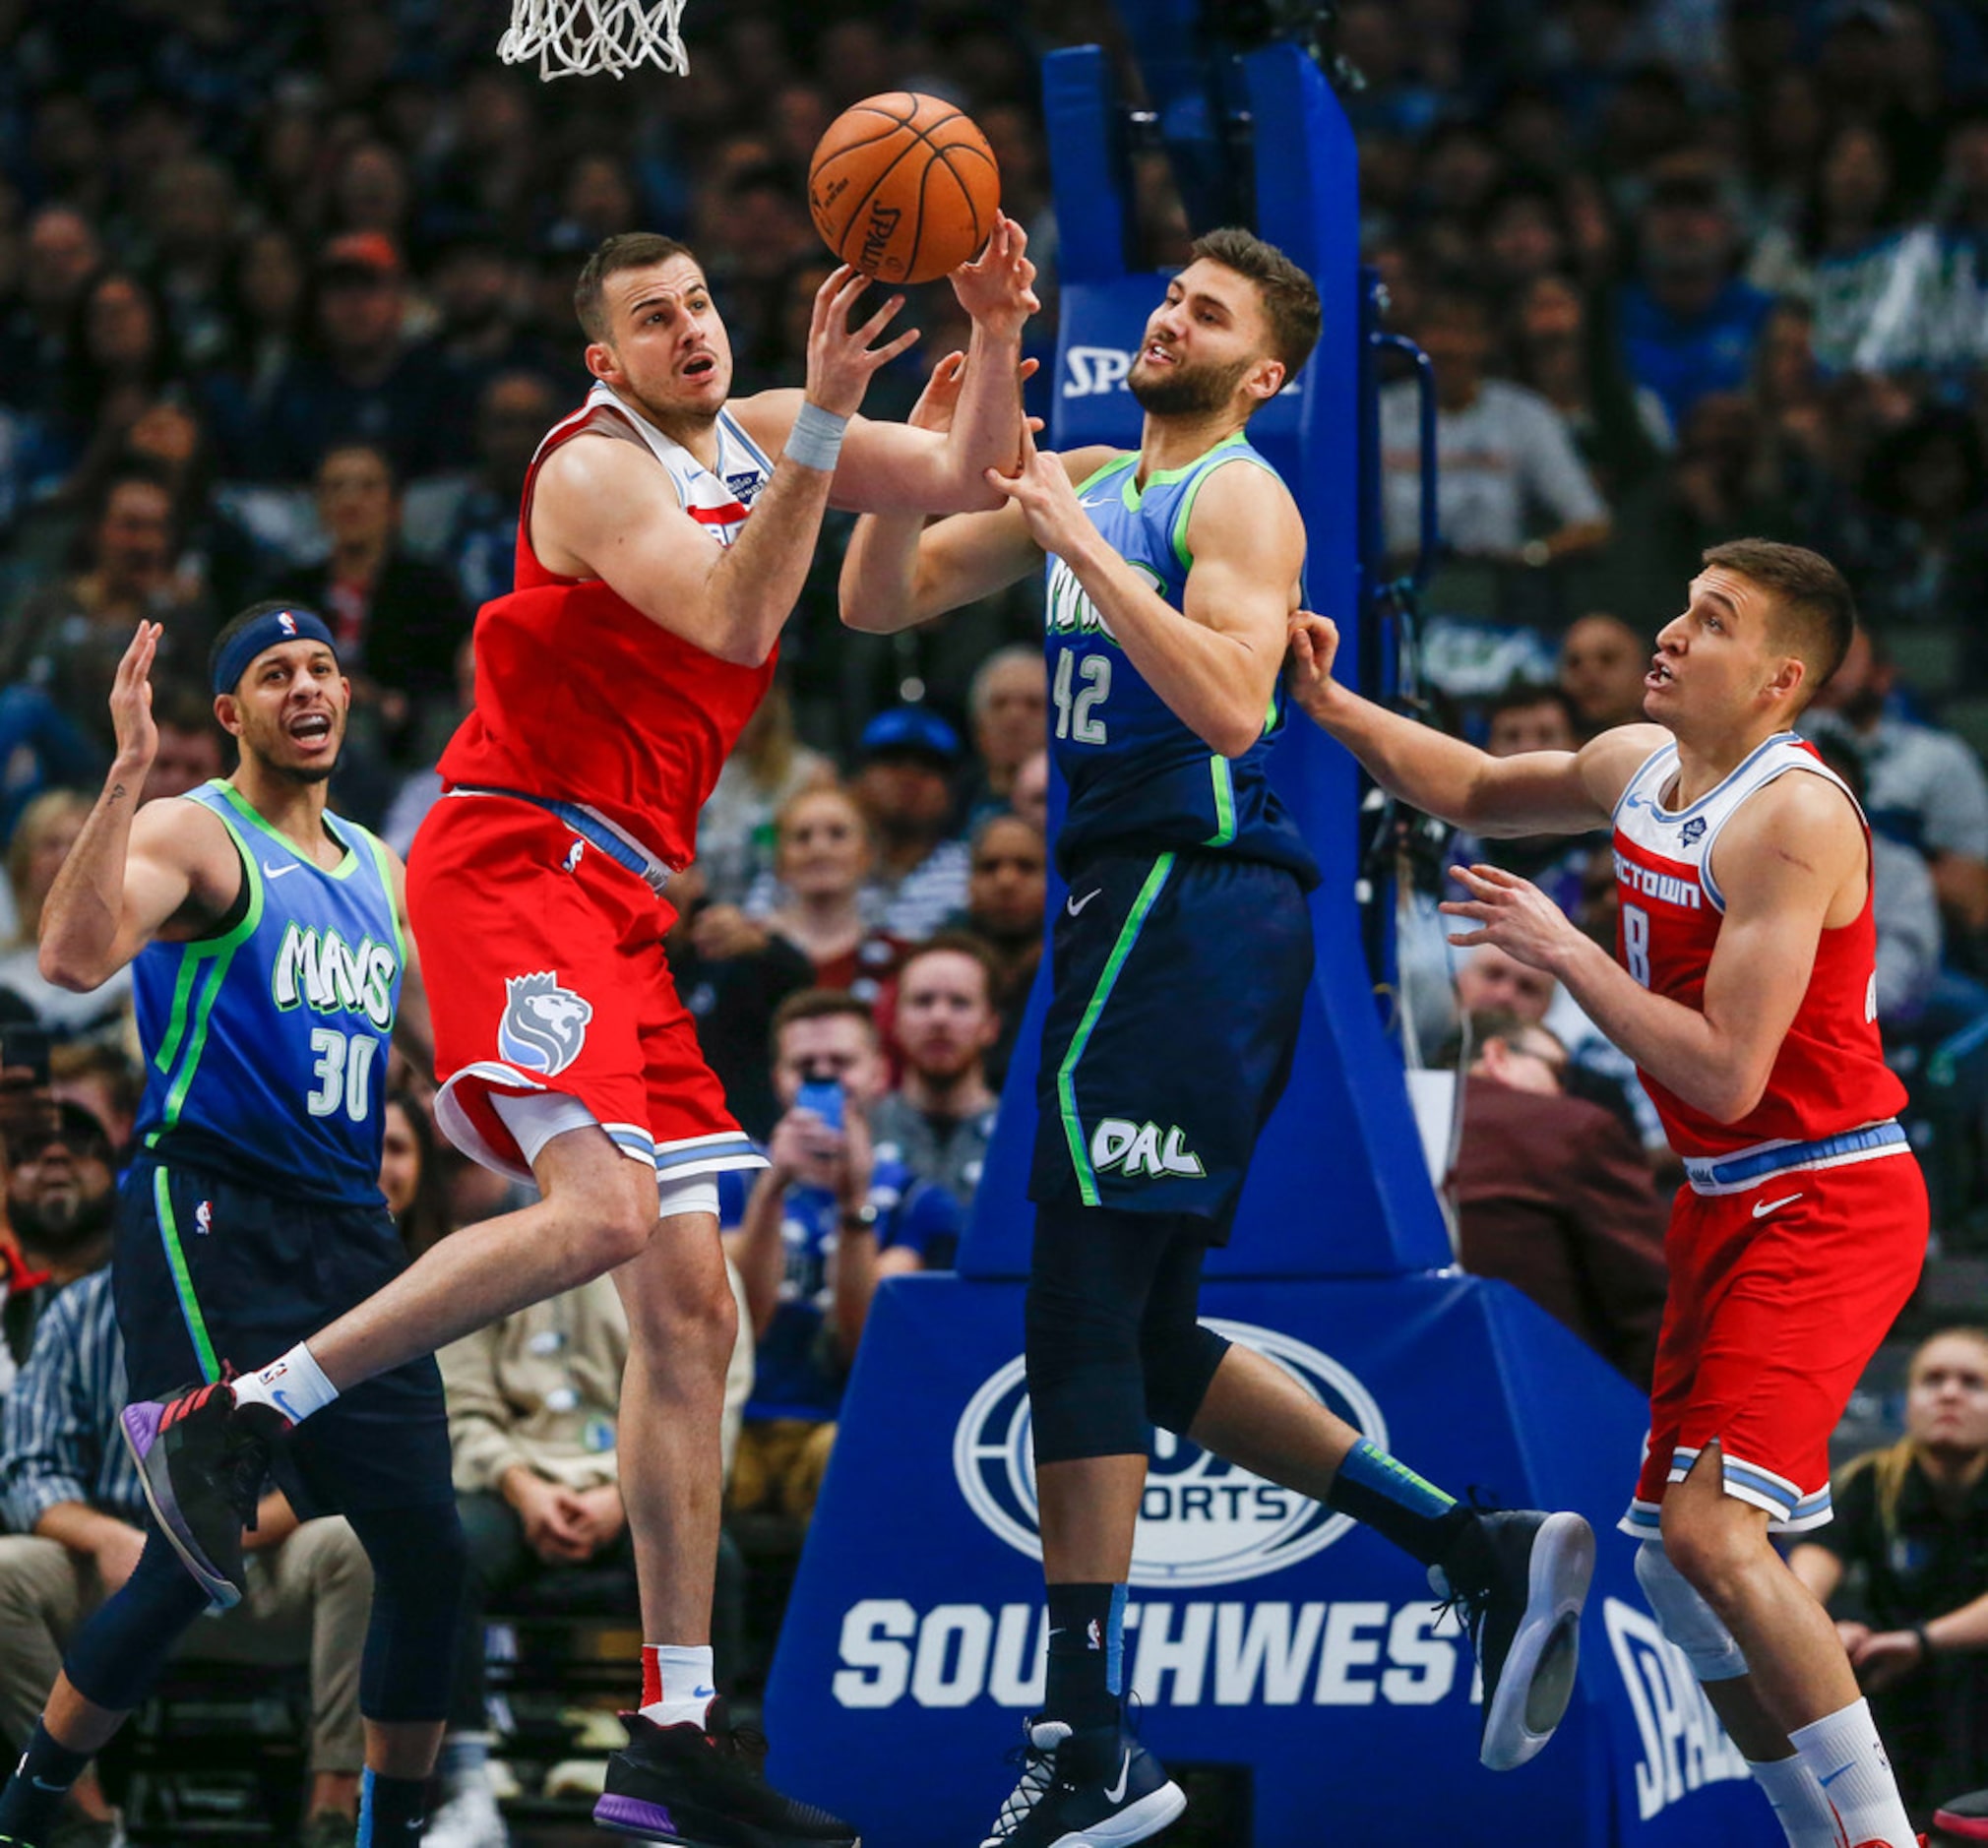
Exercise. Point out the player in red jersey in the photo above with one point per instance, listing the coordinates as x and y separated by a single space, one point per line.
1743 987
664 536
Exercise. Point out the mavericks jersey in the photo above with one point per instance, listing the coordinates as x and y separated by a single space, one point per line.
1140 781
265 1044
1830 1074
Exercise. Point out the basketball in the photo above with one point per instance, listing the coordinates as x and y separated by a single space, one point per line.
904 186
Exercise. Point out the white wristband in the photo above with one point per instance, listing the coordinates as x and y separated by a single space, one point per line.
816 439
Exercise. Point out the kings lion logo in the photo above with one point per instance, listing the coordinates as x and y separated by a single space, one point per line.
1693 831
544 1025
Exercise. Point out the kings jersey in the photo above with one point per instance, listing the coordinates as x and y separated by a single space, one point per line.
1830 1074
583 699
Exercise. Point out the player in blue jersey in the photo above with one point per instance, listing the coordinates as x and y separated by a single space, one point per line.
1180 960
270 959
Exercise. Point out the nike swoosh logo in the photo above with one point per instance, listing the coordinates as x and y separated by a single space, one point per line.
1761 1207
1074 904
277 872
42 1784
1116 1792
702 1693
284 1406
1103 500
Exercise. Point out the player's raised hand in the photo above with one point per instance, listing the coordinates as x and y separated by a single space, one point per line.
842 359
1513 914
1314 647
1041 489
997 288
941 397
131 704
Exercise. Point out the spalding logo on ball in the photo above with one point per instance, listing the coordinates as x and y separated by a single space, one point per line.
904 186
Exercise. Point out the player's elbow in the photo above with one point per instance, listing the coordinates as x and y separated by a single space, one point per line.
1737 1098
1232 733
62 967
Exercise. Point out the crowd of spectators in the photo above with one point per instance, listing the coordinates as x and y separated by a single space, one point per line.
286 306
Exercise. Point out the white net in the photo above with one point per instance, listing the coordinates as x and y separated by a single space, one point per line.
586 37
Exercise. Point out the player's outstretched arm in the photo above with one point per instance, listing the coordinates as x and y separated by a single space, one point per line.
890 582
133 874
1536 792
1791 862
603 508
906 468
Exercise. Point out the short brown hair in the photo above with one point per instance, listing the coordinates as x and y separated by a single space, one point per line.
1813 612
1289 297
821 1004
626 250
956 943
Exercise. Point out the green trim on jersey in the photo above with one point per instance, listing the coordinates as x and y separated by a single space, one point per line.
1066 1076
344 869
386 871
1225 802
1136 491
1181 549
204 964
1109 468
182 1277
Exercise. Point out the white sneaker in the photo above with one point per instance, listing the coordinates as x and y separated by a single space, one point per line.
467 1819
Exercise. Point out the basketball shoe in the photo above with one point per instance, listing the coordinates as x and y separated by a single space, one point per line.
1965 1818
1518 1577
701 1787
202 1464
1084 1790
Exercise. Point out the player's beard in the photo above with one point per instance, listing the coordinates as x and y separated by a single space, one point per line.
305 775
1185 391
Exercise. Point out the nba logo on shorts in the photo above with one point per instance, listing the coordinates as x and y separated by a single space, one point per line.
1202 1521
203 1217
544 1025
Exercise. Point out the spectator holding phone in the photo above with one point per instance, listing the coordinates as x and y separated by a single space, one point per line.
824 1224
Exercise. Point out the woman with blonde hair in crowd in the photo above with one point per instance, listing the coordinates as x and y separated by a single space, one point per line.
768 768
42 837
1909 1546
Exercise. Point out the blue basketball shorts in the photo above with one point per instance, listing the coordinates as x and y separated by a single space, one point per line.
209 1272
1178 980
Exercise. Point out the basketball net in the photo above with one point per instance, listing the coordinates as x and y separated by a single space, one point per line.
586 37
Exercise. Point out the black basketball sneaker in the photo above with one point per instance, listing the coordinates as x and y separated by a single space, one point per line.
702 1787
201 1463
1094 1789
1518 1579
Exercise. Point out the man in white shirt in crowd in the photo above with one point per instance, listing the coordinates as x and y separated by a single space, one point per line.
1511 488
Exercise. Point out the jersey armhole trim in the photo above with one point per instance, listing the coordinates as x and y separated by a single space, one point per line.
1217 458
1793 766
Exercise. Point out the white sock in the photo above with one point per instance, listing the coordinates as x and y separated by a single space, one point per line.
676 1684
295 1385
1847 1756
1798 1802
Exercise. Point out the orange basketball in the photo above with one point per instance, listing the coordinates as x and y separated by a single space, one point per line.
904 186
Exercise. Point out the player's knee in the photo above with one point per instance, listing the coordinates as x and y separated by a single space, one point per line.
608 1217
1179 1362
1711 1544
1684 1615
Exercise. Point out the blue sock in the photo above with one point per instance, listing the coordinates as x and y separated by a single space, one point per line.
392 1810
1087 1655
1389 1498
40 1787
464 1758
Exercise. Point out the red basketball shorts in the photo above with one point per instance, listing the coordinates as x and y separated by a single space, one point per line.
1779 1295
544 970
